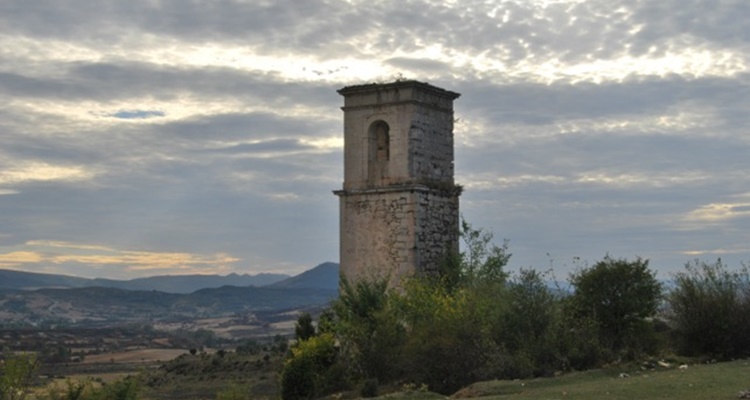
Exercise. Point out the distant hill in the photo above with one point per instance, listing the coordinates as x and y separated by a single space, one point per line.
98 305
20 280
31 299
324 276
190 283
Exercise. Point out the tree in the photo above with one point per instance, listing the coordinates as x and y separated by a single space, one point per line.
619 295
710 310
304 328
308 371
17 373
481 262
369 329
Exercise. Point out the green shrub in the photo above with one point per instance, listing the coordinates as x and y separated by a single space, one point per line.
448 345
369 329
303 328
710 310
307 372
618 295
17 373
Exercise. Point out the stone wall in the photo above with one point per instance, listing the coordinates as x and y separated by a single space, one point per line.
396 233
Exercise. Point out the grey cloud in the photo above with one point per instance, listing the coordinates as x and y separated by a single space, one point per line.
719 22
127 80
418 64
272 146
137 114
242 126
569 32
309 24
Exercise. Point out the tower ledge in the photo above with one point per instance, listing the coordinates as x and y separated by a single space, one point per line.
370 87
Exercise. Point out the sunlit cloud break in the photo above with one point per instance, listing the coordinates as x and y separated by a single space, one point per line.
41 171
57 252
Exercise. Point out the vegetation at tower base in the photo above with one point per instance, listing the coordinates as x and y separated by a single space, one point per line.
472 321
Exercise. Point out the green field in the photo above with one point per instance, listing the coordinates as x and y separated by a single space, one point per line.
714 381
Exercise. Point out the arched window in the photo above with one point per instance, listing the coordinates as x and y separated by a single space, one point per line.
379 152
380 140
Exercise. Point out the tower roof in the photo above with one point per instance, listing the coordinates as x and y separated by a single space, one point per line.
371 87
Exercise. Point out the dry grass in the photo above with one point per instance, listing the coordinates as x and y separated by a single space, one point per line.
697 382
145 356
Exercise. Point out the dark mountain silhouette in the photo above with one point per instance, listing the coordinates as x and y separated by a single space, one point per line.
19 280
324 276
190 283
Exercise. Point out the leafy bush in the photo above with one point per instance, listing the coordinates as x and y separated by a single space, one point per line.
448 345
473 321
17 373
303 328
369 330
619 295
308 371
528 326
710 310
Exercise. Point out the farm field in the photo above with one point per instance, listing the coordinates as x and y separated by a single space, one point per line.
140 356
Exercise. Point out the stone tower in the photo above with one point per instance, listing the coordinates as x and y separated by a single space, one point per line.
399 204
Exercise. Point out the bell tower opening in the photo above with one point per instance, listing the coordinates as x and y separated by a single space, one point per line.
379 147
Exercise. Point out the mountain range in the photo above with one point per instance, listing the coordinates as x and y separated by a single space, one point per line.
20 280
31 299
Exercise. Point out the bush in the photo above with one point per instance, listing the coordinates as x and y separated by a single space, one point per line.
303 328
709 309
308 371
448 345
369 330
619 295
17 373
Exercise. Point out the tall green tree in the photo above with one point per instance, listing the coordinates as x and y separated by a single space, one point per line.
619 295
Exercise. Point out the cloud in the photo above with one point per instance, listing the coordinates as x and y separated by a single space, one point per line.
39 171
120 262
137 114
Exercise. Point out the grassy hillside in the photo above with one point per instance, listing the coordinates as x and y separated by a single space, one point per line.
697 382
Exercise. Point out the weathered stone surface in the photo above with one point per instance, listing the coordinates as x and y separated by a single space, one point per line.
399 204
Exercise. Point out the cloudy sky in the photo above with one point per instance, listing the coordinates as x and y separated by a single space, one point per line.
143 137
